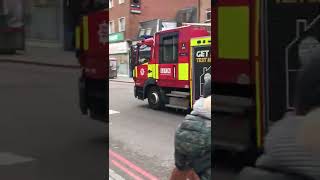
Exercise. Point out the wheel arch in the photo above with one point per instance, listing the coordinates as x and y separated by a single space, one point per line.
148 83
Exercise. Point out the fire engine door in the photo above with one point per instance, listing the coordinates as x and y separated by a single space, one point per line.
168 58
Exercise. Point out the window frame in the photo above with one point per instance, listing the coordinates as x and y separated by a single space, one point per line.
119 24
161 48
140 32
112 27
148 31
111 5
208 11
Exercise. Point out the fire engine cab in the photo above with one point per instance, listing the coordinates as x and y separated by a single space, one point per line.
170 68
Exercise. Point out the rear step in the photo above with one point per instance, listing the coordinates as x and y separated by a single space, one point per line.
178 94
232 101
178 100
177 107
236 147
231 104
227 109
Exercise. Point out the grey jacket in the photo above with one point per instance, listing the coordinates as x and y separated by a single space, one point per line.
193 140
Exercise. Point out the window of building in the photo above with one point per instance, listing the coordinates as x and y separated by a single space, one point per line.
184 17
111 27
149 30
121 1
141 33
110 3
122 24
169 49
208 15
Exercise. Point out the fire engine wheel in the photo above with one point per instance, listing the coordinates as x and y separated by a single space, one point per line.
154 99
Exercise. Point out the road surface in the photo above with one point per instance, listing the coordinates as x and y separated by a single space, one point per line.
43 136
141 139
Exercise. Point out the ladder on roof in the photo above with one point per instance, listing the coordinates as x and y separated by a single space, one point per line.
207 26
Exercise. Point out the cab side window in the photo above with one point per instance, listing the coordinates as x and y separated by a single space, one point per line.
169 49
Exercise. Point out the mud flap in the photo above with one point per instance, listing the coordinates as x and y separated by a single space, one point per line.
83 103
97 99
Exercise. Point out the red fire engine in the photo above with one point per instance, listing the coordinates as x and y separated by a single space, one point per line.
92 52
169 68
255 66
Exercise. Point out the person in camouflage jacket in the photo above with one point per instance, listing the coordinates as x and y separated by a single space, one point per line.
193 140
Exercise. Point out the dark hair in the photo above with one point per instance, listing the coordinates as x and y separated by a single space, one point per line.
307 95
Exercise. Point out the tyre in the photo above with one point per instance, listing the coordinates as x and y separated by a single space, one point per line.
83 97
98 109
154 98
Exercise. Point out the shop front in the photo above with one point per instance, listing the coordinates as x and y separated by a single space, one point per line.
118 49
12 23
45 23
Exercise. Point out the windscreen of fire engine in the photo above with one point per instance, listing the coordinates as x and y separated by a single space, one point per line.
144 54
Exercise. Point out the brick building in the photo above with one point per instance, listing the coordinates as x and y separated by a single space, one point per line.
125 17
205 11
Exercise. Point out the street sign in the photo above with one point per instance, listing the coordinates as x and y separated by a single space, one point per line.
116 37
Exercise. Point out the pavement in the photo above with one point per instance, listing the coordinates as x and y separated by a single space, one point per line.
53 56
36 54
43 135
124 79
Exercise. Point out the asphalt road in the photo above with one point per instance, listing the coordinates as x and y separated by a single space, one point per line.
43 136
144 138
139 134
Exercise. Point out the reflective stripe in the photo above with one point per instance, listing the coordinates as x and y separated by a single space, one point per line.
233 42
257 30
183 70
258 87
154 71
201 41
135 72
258 106
157 71
85 33
77 37
190 75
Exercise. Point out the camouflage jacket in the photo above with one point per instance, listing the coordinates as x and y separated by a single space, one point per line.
193 141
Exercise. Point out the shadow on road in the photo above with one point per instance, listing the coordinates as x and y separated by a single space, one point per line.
100 140
165 110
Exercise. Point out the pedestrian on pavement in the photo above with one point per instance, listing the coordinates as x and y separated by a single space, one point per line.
292 145
193 146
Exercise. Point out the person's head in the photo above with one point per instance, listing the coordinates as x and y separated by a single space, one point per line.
307 95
